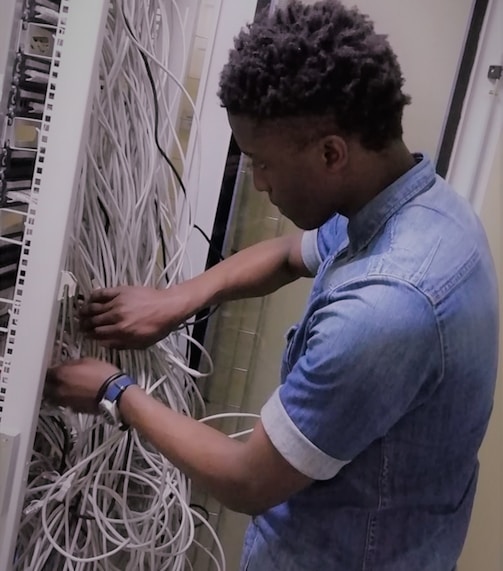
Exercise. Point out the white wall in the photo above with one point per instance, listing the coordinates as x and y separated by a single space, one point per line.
484 545
427 36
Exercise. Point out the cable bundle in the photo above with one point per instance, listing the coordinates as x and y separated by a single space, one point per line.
99 498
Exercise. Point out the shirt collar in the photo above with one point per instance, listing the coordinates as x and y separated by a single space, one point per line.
367 222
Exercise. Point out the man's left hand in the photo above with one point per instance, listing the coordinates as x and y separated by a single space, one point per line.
76 383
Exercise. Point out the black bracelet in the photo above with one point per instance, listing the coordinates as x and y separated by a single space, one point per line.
106 383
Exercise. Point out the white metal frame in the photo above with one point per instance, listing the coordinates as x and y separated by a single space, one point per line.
33 320
480 126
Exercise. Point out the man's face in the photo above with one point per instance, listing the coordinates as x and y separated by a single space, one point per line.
294 176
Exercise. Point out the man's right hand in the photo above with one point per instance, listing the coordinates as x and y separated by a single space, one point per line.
130 317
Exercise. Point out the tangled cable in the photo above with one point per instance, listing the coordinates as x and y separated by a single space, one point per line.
99 498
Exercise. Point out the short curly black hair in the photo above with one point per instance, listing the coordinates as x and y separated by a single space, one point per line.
322 60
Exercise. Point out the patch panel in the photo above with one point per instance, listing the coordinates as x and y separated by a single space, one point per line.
29 82
49 82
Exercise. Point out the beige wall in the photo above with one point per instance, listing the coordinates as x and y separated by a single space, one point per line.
427 36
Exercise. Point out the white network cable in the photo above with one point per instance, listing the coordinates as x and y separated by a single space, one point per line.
98 498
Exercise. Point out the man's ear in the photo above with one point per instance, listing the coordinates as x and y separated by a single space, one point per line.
335 152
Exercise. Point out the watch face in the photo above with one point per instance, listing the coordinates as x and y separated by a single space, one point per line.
108 405
109 411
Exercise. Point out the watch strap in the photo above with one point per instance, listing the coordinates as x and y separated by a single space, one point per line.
110 394
105 384
117 386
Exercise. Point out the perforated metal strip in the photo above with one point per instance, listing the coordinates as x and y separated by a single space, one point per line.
43 140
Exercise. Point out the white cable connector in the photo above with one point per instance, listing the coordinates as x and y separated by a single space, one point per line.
67 285
64 488
36 76
47 14
33 507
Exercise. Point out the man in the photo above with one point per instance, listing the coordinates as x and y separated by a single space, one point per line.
365 458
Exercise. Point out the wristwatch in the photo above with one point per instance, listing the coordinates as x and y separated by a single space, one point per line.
109 397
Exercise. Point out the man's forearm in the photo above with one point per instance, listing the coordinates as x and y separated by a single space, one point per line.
212 460
249 476
136 317
256 271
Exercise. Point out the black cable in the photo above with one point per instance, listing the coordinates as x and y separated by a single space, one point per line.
65 448
156 133
156 108
164 155
199 319
105 214
213 248
204 512
163 244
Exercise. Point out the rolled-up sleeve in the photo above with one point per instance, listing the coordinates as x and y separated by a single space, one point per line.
318 244
310 253
372 351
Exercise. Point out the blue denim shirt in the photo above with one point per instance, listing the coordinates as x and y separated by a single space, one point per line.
387 387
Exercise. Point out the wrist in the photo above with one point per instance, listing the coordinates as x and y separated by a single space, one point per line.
109 396
102 390
192 296
128 403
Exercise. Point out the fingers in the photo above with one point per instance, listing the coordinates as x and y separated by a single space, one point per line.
105 327
108 336
100 301
96 313
112 337
113 316
104 295
52 386
92 322
94 308
100 317
75 383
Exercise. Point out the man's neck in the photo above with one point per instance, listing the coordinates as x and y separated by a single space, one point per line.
375 171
